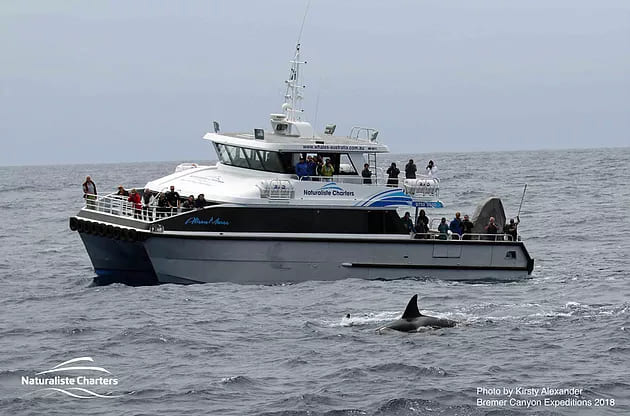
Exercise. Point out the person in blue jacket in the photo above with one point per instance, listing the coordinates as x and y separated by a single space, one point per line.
301 169
456 225
312 166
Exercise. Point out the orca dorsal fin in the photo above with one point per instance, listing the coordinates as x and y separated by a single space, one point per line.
412 309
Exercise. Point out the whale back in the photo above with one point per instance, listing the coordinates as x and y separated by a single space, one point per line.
412 311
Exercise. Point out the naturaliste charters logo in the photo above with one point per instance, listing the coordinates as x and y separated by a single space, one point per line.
74 379
330 189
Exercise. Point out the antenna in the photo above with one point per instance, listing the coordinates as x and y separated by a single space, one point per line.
308 3
293 96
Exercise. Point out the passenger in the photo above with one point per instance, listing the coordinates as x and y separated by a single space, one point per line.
189 203
491 228
422 224
122 191
327 170
301 169
456 226
312 166
136 200
392 176
147 199
512 227
162 206
408 222
172 199
467 227
431 169
366 173
200 202
410 170
443 229
89 193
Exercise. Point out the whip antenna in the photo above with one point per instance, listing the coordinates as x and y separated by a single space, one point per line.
522 198
303 20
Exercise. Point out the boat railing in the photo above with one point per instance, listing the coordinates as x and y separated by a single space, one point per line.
436 235
422 185
364 133
119 206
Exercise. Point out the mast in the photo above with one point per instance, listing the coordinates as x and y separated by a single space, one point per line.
293 95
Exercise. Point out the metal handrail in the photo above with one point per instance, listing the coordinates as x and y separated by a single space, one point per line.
118 205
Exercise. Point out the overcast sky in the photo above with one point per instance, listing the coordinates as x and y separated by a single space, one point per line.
108 81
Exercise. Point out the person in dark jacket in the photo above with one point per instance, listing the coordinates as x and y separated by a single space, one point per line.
189 203
467 227
172 199
392 176
122 191
147 198
162 206
408 222
443 229
366 173
456 225
410 170
511 228
491 228
201 201
422 224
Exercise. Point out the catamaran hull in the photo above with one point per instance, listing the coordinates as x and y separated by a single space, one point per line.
268 260
119 261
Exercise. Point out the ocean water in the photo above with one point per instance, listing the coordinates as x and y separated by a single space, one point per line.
225 349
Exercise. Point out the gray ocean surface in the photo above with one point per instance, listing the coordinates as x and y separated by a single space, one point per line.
225 349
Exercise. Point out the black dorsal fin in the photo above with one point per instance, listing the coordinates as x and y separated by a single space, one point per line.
412 309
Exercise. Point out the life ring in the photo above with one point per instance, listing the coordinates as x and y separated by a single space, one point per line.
117 233
109 231
74 223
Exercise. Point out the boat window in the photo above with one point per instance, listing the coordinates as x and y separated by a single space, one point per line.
237 156
254 159
224 157
346 167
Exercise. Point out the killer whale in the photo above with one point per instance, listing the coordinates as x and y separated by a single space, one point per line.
412 319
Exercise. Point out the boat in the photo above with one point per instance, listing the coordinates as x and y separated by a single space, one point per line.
270 217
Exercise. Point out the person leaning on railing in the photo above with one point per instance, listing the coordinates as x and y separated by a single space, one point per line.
147 199
89 192
136 200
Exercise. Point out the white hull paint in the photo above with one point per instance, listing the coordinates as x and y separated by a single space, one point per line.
267 260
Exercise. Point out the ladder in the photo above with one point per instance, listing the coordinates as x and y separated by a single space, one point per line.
371 161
